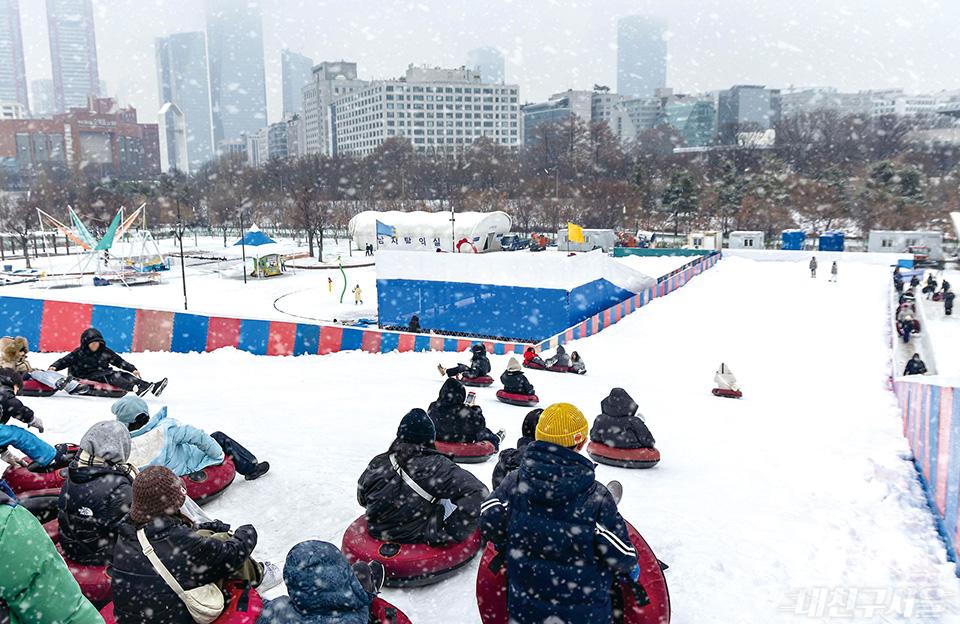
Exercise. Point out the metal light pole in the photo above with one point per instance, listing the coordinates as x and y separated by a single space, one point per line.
243 246
453 228
183 267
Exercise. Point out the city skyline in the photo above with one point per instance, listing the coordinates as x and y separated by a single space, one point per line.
856 46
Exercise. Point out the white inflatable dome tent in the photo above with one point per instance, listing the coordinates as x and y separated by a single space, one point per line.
474 232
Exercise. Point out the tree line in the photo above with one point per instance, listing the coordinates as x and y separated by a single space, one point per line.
825 171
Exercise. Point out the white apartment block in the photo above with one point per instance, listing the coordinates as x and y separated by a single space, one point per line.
330 80
440 111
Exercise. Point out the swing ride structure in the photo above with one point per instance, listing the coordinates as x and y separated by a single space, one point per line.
123 255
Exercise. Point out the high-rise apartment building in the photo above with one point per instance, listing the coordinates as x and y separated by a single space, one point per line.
296 71
73 53
13 75
330 80
238 91
641 56
182 80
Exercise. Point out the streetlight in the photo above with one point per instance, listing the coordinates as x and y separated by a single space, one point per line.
183 267
243 246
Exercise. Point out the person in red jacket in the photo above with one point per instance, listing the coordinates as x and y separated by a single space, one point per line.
530 357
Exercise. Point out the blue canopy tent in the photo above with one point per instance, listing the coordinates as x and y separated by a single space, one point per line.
267 255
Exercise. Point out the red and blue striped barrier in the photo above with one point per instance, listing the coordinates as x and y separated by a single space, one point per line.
665 285
931 424
55 326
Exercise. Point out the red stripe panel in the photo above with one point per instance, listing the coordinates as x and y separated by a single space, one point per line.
464 345
62 325
489 347
152 331
596 323
331 339
370 342
568 335
607 322
406 342
436 343
222 332
283 337
617 314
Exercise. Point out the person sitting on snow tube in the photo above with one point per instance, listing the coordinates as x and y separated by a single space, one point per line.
456 422
13 354
95 361
41 453
96 495
560 359
726 382
509 459
37 587
577 364
915 366
323 587
530 358
514 381
442 509
479 365
10 406
619 425
548 518
907 327
930 287
163 441
193 555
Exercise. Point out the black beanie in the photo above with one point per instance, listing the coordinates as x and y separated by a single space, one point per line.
416 428
529 428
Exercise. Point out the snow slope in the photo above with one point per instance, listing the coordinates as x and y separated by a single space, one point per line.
759 506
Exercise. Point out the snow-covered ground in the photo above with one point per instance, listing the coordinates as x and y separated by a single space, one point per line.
790 505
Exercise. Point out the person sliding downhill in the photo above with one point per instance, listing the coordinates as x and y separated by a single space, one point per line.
456 421
530 357
413 494
726 382
915 366
619 425
558 530
95 361
514 381
479 365
560 359
13 354
577 365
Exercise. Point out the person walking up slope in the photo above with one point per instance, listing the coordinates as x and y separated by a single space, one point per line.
563 539
813 266
833 271
357 295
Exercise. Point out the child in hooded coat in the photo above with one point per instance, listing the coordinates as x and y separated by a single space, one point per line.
13 355
560 359
322 588
619 425
479 365
530 357
95 361
514 381
509 459
457 422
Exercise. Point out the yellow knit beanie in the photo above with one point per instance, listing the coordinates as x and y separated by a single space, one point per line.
562 424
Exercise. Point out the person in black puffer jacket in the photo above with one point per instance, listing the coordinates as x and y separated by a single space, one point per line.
457 422
514 381
95 361
397 513
195 556
10 406
618 425
96 495
479 365
509 459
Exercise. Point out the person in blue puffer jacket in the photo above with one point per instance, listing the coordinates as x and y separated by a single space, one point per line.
19 438
162 441
323 588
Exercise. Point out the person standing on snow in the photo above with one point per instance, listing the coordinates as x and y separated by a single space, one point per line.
813 266
330 285
833 271
357 295
948 297
558 530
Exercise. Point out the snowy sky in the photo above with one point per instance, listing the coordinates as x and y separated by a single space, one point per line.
552 45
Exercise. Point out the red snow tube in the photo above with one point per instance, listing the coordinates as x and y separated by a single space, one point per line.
916 327
728 394
52 529
100 389
492 589
623 457
408 565
41 503
467 452
202 486
33 388
553 369
477 382
244 607
523 400
382 612
205 485
93 580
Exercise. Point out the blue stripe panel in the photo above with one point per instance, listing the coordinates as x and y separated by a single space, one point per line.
352 339
934 434
116 325
189 333
389 342
499 348
921 448
450 344
421 343
953 473
307 341
254 336
519 348
21 317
